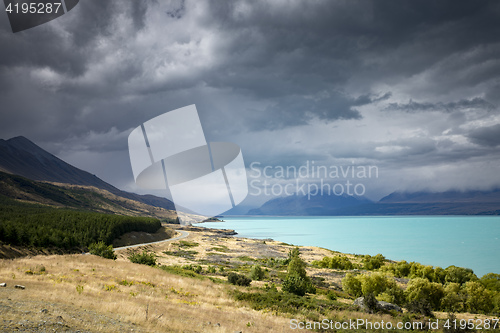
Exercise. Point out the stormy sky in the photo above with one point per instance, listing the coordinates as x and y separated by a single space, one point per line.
412 87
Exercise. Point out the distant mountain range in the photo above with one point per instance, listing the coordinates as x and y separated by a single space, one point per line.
304 205
22 157
397 203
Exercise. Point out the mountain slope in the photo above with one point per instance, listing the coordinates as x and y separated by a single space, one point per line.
22 157
80 197
304 205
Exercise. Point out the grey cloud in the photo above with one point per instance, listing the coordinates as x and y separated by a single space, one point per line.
486 136
253 66
177 11
464 104
299 110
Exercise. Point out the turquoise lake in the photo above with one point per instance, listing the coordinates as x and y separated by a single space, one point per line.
465 241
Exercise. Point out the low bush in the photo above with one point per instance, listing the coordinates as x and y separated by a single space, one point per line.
178 270
183 243
296 281
336 262
238 279
102 250
420 290
143 258
280 302
195 268
370 263
371 303
420 306
479 299
257 273
459 275
351 284
491 281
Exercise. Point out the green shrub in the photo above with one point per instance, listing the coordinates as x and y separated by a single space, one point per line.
371 303
336 262
416 270
371 263
102 250
375 283
420 306
295 284
459 275
279 302
401 269
195 268
183 243
351 284
144 258
453 299
257 273
331 296
420 290
238 279
496 304
392 293
491 281
296 281
188 254
479 299
270 287
178 270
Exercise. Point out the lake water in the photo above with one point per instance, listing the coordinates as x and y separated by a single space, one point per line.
465 241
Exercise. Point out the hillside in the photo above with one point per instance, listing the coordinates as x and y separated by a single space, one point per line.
189 289
22 157
75 196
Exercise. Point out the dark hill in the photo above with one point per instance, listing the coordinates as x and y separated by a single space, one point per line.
22 157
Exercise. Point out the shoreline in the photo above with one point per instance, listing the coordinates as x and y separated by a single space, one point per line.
331 248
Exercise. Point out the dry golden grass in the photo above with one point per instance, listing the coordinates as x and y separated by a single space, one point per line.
98 295
126 293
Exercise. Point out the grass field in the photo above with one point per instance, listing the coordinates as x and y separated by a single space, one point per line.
90 294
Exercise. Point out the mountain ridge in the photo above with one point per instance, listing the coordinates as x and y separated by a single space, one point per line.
396 203
20 156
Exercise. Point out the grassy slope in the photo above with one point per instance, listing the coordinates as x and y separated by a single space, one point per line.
122 295
173 303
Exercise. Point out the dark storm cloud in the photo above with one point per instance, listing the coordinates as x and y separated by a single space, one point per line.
464 104
486 136
300 110
83 81
335 40
68 51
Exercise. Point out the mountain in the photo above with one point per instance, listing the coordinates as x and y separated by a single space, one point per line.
492 196
308 205
22 157
397 203
15 188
